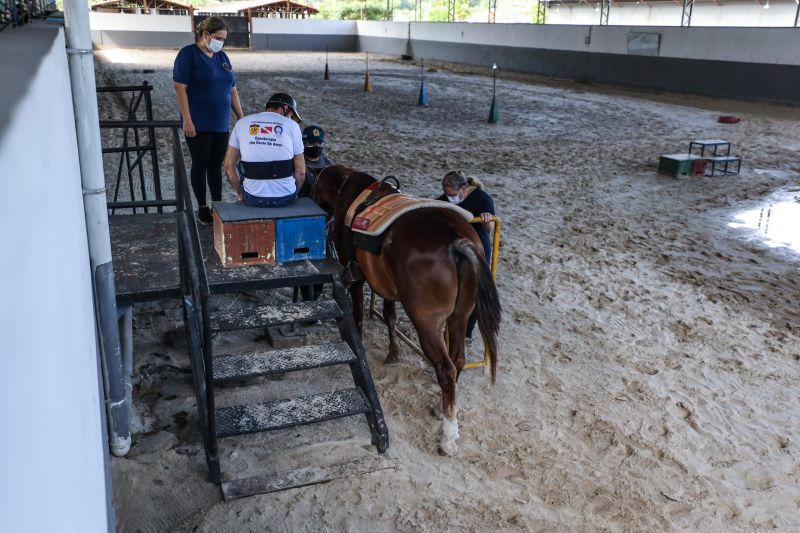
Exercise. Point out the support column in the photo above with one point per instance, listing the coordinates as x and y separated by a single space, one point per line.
605 9
686 14
541 12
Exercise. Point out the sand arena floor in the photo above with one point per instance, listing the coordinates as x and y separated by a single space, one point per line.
650 354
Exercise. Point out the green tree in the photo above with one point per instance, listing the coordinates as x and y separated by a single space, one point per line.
438 10
353 9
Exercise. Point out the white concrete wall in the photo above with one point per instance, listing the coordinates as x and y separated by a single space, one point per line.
757 45
390 30
781 13
304 26
141 23
746 44
51 444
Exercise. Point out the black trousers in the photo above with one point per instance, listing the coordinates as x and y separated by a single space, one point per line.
208 151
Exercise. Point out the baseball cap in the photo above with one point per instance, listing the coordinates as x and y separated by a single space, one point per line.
314 134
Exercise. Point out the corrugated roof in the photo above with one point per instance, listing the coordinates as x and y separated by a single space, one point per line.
153 4
275 5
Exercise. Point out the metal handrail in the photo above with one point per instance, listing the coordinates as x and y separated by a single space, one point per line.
132 157
197 309
143 203
184 202
124 88
140 124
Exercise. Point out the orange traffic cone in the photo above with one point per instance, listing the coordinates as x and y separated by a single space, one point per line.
367 83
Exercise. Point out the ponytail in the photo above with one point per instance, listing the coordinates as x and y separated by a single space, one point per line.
473 182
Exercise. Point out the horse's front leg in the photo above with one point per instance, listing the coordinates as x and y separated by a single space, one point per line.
390 316
357 301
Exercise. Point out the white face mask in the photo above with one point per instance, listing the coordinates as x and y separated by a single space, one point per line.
453 199
215 45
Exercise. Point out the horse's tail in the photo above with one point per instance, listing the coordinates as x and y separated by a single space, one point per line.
487 301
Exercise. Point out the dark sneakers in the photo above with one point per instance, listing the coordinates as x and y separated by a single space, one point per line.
204 215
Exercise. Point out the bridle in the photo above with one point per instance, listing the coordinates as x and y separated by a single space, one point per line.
329 225
338 191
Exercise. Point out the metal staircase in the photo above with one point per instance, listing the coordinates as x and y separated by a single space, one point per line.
143 270
210 370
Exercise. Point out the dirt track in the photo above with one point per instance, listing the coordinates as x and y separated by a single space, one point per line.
648 376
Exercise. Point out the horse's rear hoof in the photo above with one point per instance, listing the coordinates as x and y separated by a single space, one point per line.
394 361
447 450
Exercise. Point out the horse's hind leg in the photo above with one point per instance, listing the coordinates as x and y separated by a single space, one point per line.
390 316
432 343
456 329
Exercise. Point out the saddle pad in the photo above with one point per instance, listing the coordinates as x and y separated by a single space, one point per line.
376 218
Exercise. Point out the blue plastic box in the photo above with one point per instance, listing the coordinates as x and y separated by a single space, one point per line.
299 238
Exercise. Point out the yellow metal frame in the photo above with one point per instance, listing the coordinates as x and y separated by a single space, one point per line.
495 258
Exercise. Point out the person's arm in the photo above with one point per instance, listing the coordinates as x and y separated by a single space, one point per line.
487 212
236 104
232 156
183 106
299 170
487 221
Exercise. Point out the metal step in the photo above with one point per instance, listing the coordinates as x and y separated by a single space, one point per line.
279 414
273 315
303 477
254 364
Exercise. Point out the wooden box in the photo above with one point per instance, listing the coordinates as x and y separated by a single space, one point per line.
249 242
699 167
245 235
677 164
300 238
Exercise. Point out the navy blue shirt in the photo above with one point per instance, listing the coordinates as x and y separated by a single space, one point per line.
209 81
477 202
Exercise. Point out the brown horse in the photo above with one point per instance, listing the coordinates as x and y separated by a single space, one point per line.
432 261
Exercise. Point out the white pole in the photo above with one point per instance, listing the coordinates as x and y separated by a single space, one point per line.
87 125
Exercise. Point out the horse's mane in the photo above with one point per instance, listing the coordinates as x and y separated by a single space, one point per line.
361 179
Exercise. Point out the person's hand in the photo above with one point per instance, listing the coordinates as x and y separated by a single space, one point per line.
188 128
486 217
239 197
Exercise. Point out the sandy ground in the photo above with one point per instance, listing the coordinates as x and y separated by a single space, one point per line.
648 375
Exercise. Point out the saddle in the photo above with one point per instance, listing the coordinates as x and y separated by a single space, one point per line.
368 198
373 211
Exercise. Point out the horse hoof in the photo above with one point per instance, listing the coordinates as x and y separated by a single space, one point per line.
394 361
447 449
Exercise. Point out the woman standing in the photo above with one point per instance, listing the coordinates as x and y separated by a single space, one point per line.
206 88
468 193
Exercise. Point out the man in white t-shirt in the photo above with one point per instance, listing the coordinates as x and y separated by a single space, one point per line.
270 146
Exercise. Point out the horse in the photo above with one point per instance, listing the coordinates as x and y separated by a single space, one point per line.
432 261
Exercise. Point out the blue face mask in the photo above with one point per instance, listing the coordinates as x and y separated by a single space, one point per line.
215 45
453 199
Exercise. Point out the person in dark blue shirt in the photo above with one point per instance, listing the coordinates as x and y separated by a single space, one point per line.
206 88
468 194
